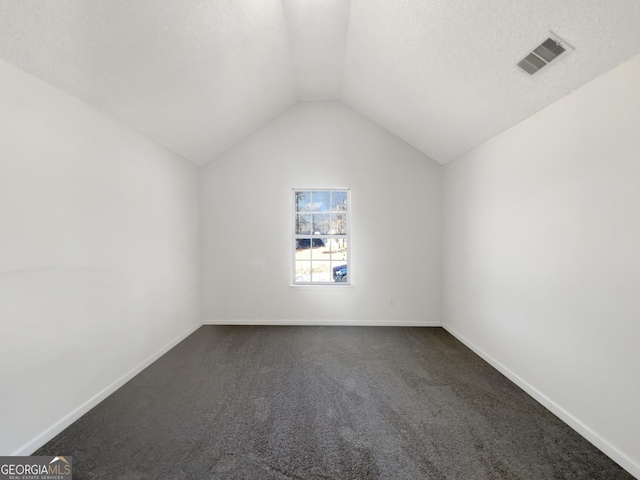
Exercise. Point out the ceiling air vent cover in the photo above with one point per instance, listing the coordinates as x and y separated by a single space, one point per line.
544 54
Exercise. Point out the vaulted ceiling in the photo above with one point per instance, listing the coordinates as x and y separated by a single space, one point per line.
196 76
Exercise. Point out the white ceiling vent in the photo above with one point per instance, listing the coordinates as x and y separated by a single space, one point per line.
544 54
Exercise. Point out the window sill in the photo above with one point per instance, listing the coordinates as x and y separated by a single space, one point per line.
321 286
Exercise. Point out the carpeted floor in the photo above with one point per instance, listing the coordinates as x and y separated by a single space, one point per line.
325 403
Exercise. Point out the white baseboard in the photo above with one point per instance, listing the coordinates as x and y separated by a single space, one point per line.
31 446
602 444
347 323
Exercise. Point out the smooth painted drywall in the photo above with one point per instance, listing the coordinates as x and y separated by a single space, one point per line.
542 257
98 256
395 222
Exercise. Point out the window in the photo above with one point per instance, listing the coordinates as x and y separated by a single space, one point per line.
321 237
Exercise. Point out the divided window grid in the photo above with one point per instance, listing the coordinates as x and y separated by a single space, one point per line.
321 236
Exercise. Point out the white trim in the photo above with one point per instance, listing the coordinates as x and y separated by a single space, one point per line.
598 441
332 322
38 441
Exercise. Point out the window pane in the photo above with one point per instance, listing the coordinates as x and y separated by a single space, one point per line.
321 224
302 248
321 249
320 201
339 271
338 224
339 201
303 200
303 271
303 224
321 272
317 244
339 249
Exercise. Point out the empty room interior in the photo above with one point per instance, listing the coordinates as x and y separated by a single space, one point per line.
321 238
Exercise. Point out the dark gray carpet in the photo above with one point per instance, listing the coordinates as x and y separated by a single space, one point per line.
325 403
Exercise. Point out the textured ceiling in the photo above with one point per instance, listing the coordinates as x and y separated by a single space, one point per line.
441 74
196 76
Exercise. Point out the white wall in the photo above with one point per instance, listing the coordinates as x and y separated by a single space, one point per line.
395 239
542 257
98 257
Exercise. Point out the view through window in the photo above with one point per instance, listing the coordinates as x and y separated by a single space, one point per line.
321 236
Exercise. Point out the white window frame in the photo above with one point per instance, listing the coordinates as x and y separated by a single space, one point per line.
296 237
